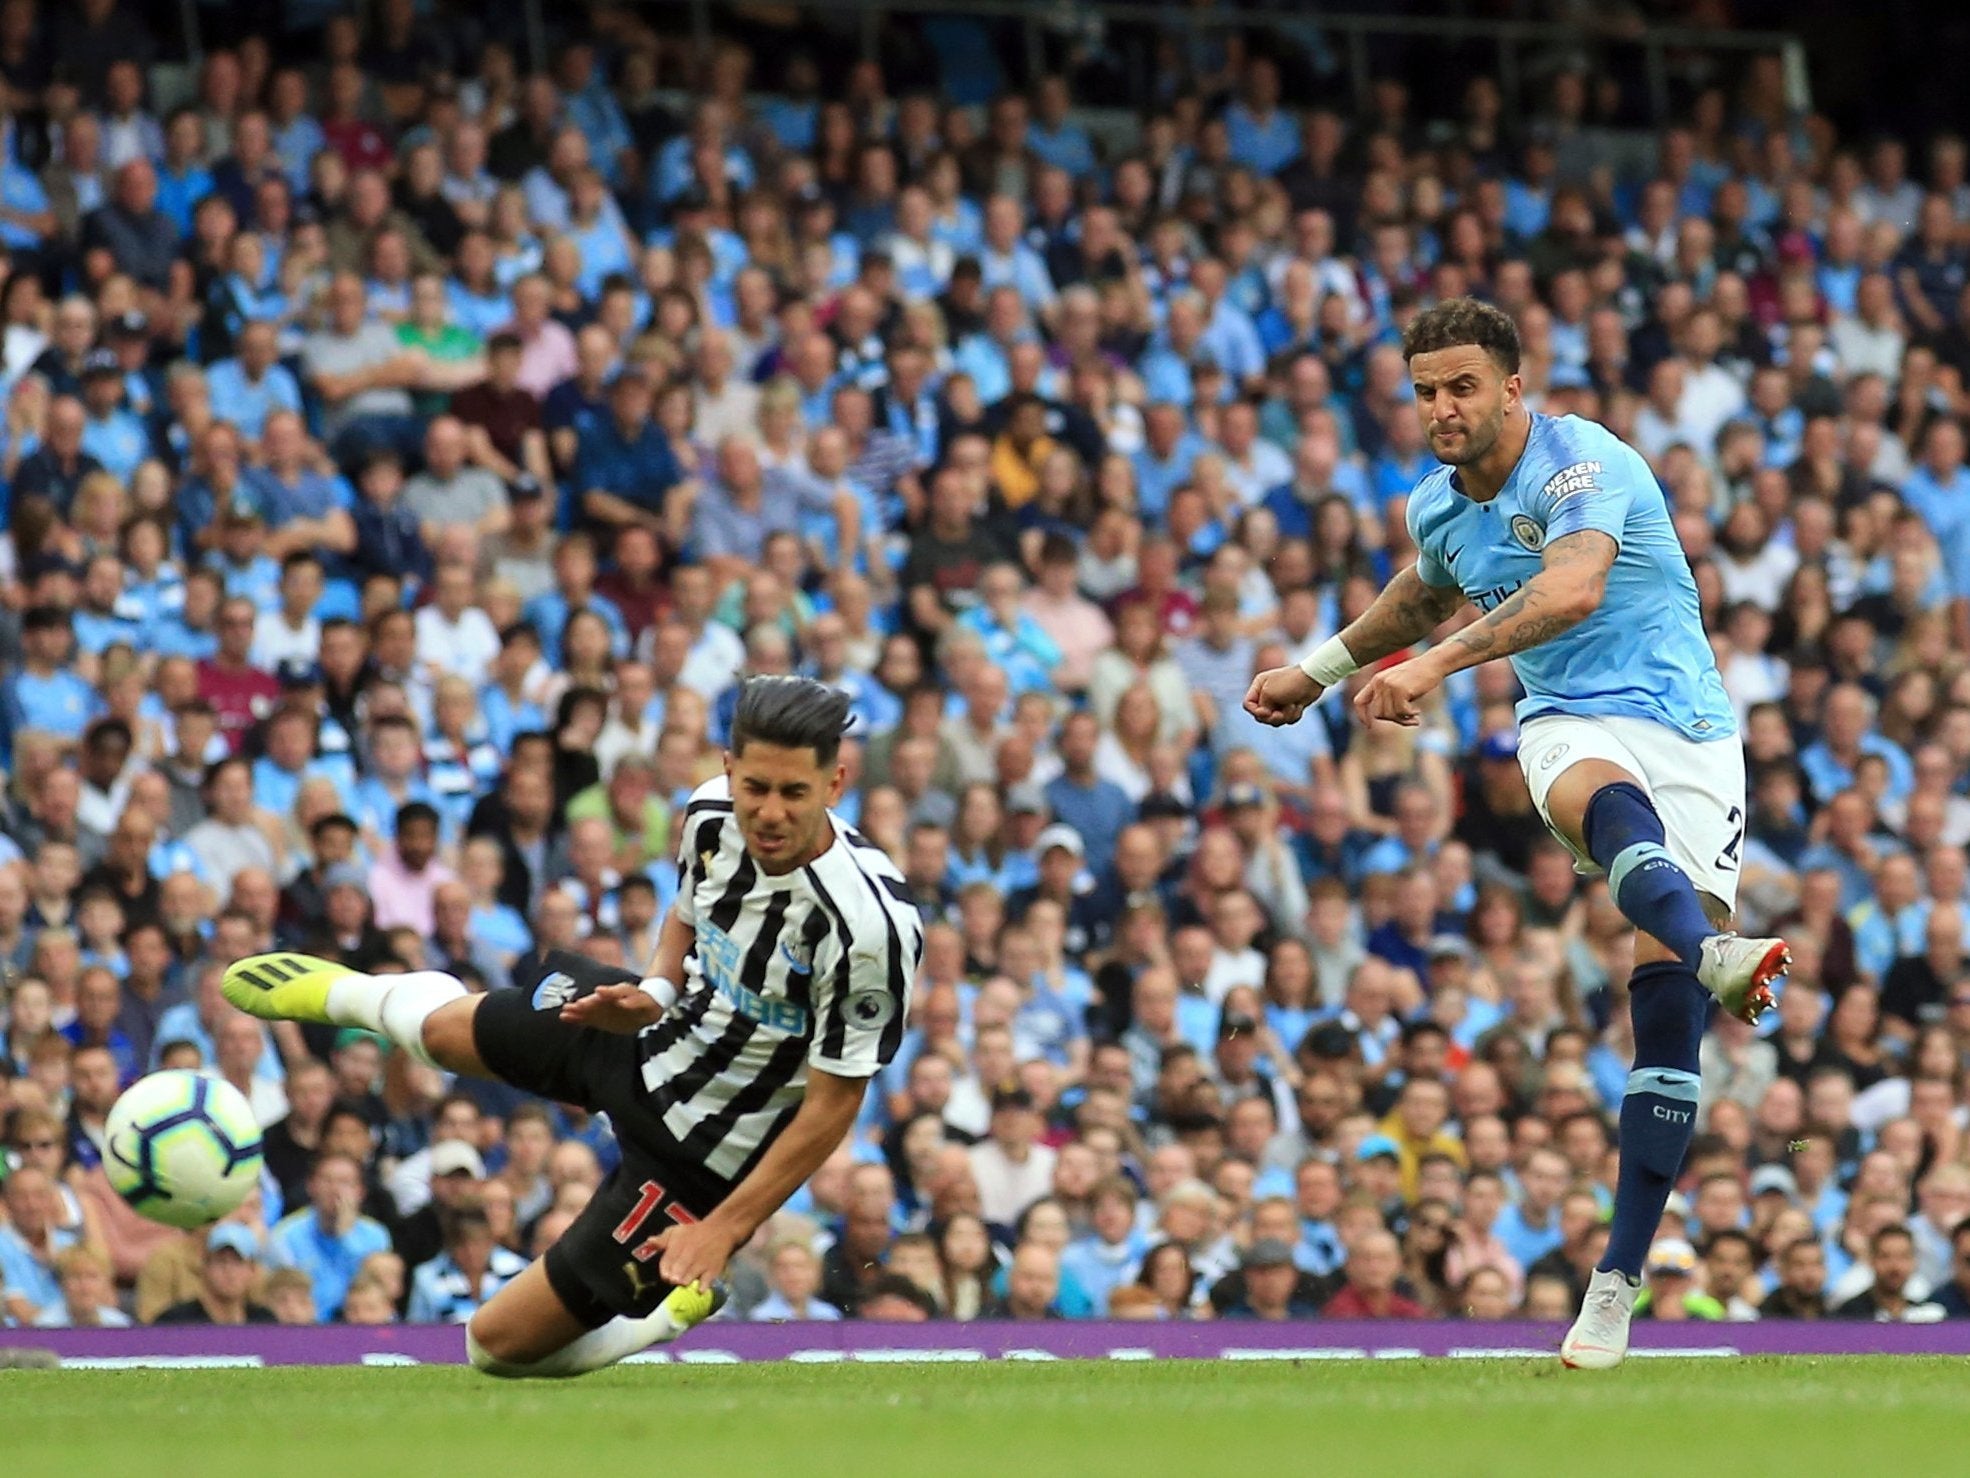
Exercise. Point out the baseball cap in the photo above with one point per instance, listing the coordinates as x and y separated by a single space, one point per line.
1678 1206
129 325
1503 745
1267 1252
1767 1179
1451 946
101 362
1375 1146
298 672
1160 805
525 486
450 1156
1672 1255
1026 799
1243 793
230 1236
345 875
1060 835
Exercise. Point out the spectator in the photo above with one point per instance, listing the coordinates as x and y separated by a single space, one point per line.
32 1244
326 1239
227 1273
471 1269
87 1294
1273 1287
794 1275
1033 1284
1012 1167
1669 1287
1891 1298
1373 1265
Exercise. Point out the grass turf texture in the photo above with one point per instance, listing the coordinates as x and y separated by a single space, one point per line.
1795 1416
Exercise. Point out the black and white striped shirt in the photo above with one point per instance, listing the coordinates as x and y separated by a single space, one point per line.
809 967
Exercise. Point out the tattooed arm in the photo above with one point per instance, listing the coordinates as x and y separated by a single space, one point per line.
1563 594
1408 609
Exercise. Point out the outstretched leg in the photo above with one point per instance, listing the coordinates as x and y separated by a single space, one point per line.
526 1331
591 1301
426 1012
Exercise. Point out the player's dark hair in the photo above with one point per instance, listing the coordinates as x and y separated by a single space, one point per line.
792 712
1459 321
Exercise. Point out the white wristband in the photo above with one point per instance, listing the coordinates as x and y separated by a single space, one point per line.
663 992
1330 663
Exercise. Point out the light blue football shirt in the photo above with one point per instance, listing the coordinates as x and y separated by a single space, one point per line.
1643 654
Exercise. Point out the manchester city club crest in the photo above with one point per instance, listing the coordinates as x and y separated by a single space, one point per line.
1527 532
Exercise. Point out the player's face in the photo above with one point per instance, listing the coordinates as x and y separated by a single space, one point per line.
1462 398
781 798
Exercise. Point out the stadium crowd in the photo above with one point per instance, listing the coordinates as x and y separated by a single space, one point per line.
404 453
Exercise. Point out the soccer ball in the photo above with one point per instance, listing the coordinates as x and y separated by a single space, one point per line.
182 1149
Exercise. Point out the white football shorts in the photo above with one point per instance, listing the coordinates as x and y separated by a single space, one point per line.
1697 788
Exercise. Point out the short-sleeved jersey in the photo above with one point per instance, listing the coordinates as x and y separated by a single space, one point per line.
813 967
1643 654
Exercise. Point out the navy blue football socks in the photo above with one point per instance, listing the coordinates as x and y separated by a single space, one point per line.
1658 1115
1625 836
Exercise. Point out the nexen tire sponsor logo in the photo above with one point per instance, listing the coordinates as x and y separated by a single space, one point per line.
1570 480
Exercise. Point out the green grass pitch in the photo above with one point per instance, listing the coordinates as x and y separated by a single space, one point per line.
1799 1417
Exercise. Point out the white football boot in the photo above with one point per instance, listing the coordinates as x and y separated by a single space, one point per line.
1599 1337
1739 972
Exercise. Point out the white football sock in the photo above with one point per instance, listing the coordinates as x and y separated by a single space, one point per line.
394 1006
619 1338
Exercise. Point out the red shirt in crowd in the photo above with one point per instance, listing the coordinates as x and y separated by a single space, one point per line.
1350 1304
241 696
